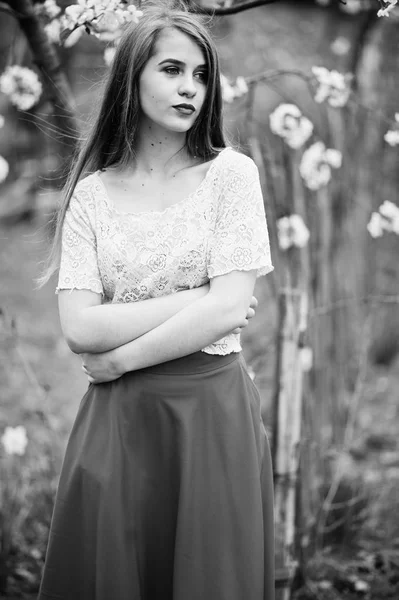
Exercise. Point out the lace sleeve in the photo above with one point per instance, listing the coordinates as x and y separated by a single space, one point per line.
240 240
79 266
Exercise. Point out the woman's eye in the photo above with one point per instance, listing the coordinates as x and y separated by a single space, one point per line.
172 70
202 76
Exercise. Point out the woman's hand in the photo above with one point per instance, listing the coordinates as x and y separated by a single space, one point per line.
250 314
101 367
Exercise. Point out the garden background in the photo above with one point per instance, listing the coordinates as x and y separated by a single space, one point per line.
343 347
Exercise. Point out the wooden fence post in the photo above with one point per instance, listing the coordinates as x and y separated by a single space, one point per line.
287 402
293 310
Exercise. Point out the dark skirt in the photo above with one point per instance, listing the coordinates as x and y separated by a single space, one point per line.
166 489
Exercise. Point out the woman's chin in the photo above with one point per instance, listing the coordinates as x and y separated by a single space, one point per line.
181 127
177 125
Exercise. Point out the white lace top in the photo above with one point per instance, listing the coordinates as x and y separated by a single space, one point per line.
128 257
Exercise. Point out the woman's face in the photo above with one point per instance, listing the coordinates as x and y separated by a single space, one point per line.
173 83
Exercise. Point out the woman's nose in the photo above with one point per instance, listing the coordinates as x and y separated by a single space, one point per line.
188 86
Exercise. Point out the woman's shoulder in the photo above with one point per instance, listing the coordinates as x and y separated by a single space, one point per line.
86 183
238 161
85 192
83 198
238 169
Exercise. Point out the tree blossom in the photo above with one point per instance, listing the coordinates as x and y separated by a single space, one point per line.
375 225
104 19
292 231
352 7
4 169
232 91
79 14
288 122
306 358
241 86
53 31
324 584
21 85
392 136
390 212
388 6
387 219
361 586
333 86
316 163
340 46
73 37
52 9
227 89
48 9
109 54
14 440
108 27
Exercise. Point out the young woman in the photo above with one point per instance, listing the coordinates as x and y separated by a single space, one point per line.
166 489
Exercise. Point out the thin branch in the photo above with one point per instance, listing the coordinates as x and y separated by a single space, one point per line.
373 299
369 20
232 10
266 76
4 7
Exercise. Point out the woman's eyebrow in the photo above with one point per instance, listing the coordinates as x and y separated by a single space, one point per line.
177 62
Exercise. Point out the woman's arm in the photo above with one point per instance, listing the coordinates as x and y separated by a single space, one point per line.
89 326
196 326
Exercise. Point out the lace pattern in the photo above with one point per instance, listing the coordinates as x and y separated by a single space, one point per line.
128 257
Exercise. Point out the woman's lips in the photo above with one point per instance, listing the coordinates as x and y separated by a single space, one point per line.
184 110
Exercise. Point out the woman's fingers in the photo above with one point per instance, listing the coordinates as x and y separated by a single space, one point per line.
237 330
254 302
250 314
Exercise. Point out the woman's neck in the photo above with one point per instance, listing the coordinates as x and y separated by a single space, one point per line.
160 152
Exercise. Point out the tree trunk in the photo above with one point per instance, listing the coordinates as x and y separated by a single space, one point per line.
53 76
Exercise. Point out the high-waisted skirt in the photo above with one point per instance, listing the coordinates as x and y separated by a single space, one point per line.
166 489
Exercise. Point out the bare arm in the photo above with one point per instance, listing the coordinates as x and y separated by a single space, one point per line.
89 326
201 323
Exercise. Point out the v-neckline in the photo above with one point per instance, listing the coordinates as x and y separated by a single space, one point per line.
202 184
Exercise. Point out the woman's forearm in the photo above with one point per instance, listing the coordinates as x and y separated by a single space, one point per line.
196 326
108 326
